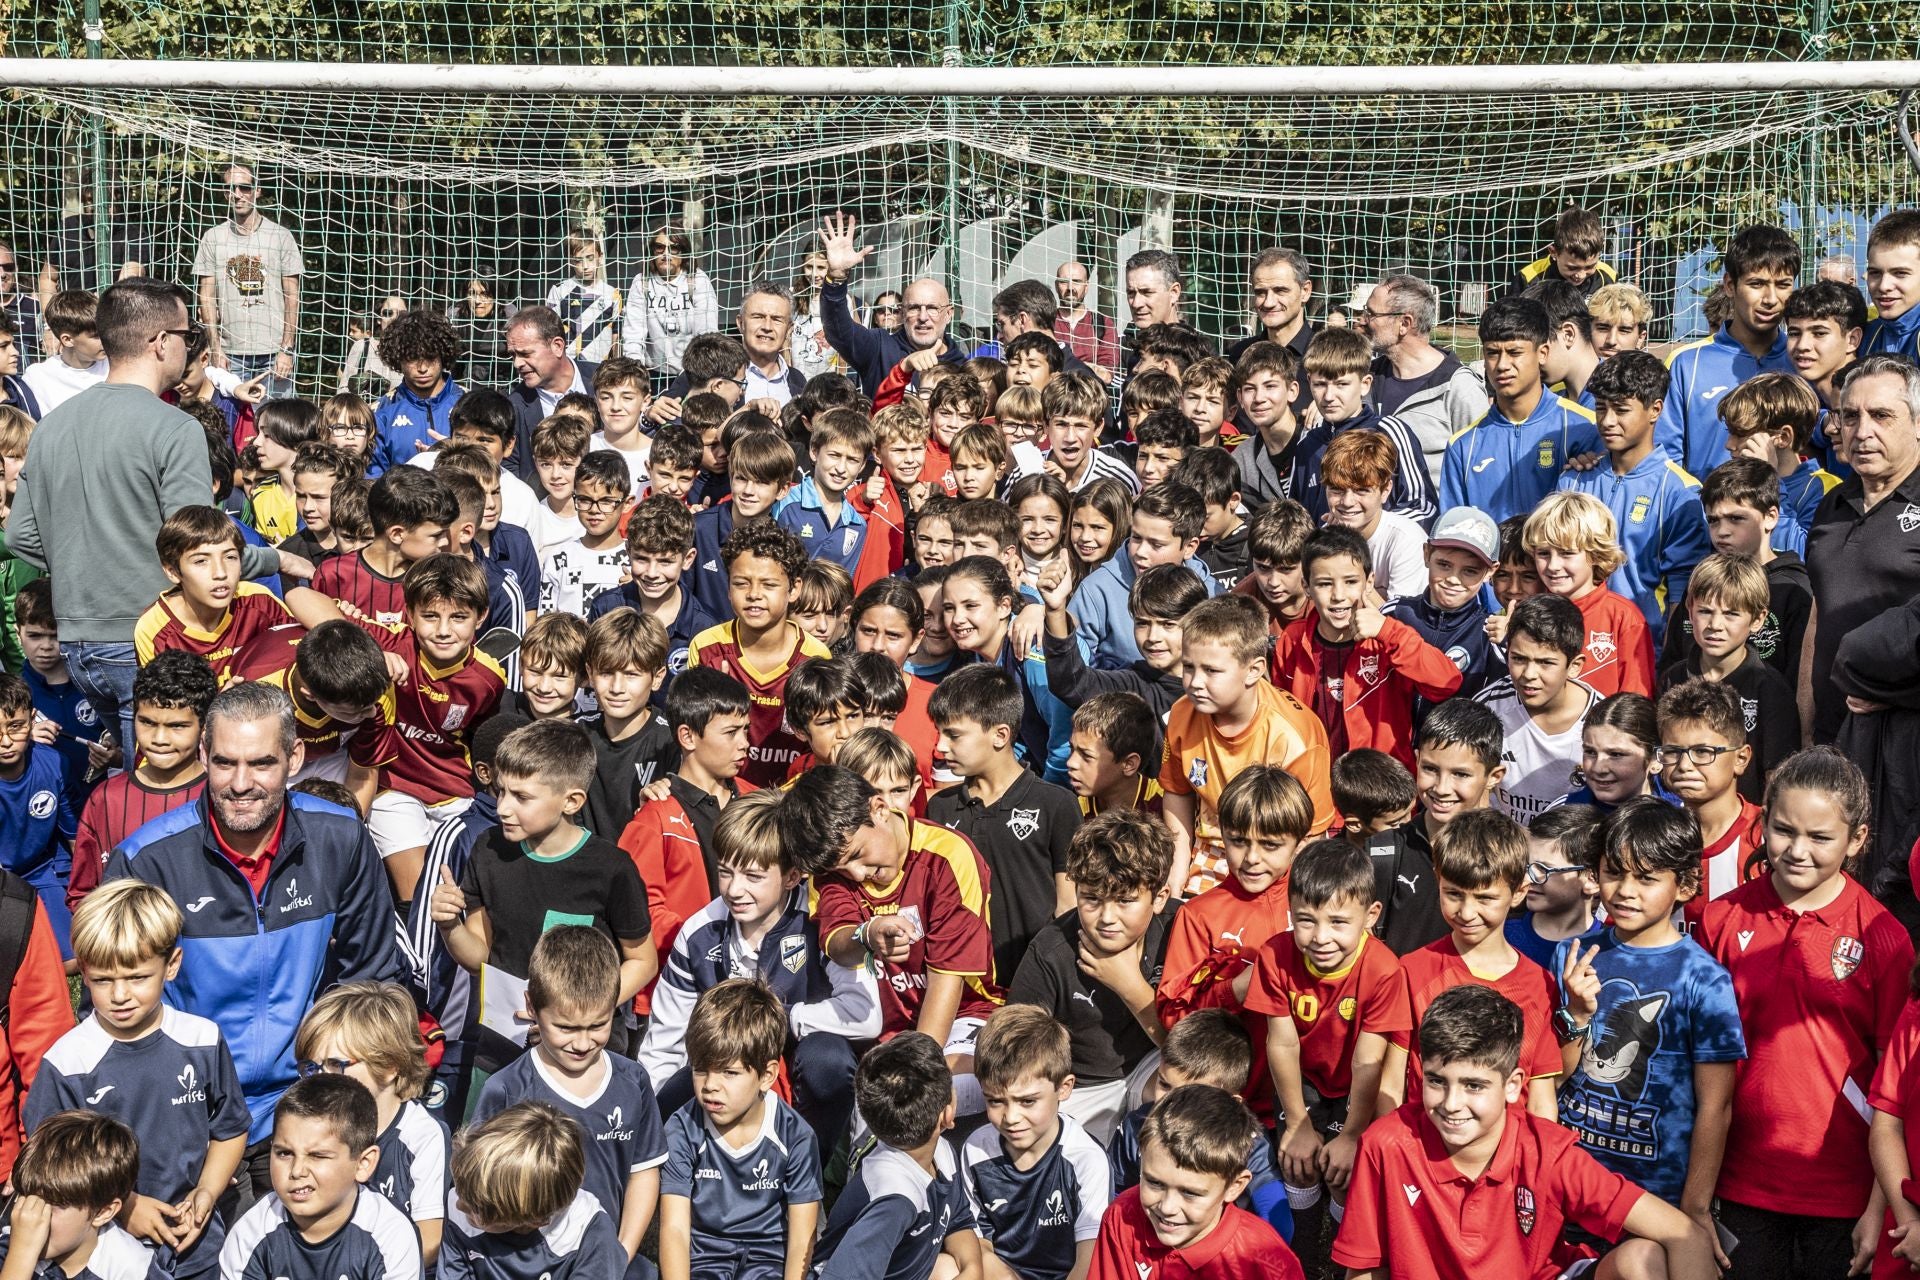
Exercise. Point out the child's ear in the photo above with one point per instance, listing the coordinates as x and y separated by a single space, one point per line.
575 801
173 574
1373 915
369 1161
1579 661
1516 1084
173 964
108 1212
1238 1186
1130 767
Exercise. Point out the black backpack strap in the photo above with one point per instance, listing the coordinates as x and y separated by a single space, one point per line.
17 901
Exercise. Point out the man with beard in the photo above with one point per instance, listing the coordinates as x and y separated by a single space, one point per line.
281 894
1085 332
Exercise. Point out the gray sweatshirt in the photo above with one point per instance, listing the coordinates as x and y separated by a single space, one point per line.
102 472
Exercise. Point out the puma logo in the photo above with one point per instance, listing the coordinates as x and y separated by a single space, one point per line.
1412 882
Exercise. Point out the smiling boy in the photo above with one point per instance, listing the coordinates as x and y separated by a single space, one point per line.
818 512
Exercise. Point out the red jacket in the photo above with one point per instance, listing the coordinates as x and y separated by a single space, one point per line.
661 841
39 1012
885 549
1375 693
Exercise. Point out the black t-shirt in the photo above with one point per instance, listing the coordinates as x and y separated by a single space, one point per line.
1389 392
1108 1041
525 895
622 768
1768 708
1862 563
1408 891
1023 839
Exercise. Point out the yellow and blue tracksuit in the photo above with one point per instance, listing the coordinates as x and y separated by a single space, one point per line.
1663 530
1505 467
1690 431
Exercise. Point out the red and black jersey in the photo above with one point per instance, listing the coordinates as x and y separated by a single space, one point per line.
772 747
360 591
254 612
117 808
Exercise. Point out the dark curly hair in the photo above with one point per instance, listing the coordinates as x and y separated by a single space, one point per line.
420 334
768 541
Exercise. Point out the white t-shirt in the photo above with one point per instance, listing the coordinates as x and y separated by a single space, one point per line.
1539 767
636 458
549 529
1399 561
571 575
54 382
517 498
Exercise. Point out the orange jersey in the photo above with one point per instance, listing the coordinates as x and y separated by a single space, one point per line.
1200 761
253 612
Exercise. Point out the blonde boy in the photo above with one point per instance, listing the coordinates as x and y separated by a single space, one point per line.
1621 315
1575 544
519 1211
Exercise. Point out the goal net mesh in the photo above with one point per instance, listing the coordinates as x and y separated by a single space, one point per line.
414 193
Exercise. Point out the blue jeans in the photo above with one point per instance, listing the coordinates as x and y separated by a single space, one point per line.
247 368
104 671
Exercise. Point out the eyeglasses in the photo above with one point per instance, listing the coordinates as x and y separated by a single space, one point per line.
597 504
1371 314
346 429
328 1066
1538 873
185 335
1699 754
17 729
886 311
9 266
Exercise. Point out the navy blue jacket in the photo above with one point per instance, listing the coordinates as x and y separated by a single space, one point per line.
254 965
870 353
527 414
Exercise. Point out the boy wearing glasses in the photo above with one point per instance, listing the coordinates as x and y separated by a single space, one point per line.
1703 752
1561 892
575 571
249 270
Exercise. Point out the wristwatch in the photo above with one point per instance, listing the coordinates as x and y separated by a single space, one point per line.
1567 1029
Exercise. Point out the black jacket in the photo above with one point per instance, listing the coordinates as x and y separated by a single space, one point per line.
527 414
1881 663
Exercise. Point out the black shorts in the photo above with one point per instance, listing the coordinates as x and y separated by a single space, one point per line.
1327 1115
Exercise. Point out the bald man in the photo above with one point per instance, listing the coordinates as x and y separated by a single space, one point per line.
871 353
1082 330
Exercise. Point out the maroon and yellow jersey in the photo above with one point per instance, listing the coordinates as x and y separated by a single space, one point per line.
361 593
945 884
253 612
422 751
772 747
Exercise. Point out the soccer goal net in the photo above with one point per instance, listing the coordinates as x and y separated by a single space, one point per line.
413 181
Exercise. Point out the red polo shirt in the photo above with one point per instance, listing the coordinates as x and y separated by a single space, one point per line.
1438 967
1240 1247
255 869
1820 993
1411 1211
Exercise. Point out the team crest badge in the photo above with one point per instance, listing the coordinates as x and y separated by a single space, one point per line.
852 538
1346 1008
1601 646
1523 1209
1638 514
1024 823
793 952
1197 773
1846 957
83 712
42 805
456 716
1336 688
1750 713
1369 671
806 530
1910 519
1547 457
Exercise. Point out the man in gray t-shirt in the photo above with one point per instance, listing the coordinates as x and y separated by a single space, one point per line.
249 270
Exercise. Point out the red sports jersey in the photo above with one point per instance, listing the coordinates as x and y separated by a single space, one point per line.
1729 861
1619 647
1820 993
361 593
115 809
1240 1247
772 746
254 612
664 845
944 881
1330 1010
884 549
1213 939
1371 683
1413 1213
1896 1091
1438 967
423 751
915 726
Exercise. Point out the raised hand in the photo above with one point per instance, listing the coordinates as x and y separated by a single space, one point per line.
837 231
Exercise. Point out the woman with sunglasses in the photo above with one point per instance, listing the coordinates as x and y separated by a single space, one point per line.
668 306
365 373
885 312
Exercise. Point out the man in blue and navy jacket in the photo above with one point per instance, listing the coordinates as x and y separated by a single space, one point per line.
282 895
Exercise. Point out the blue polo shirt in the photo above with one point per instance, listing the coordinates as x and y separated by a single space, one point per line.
802 514
1690 431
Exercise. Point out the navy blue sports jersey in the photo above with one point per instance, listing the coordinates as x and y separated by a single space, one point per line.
1036 1218
621 1119
378 1243
412 1173
710 529
513 550
79 722
693 618
448 988
740 1198
893 1217
579 1244
117 1256
38 820
175 1088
